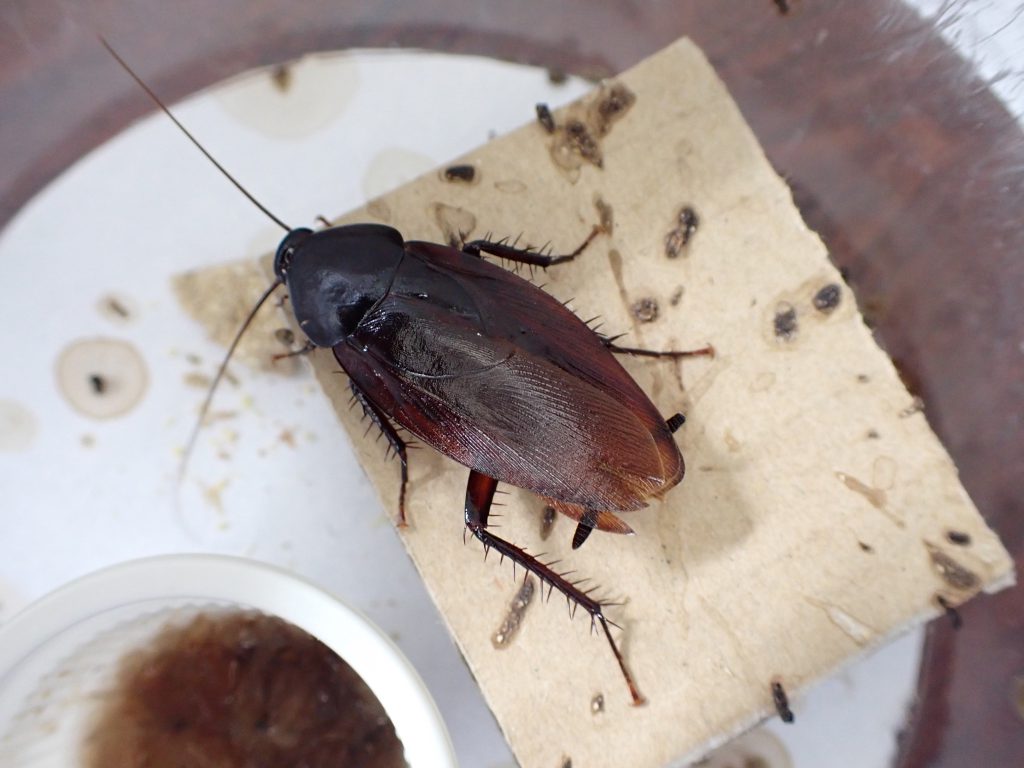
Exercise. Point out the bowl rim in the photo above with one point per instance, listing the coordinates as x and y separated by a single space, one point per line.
251 584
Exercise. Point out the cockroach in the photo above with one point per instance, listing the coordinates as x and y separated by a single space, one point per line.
483 366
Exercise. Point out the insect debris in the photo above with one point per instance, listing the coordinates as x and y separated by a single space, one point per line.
545 118
781 701
483 366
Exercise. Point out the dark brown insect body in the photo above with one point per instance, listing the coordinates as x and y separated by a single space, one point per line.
483 366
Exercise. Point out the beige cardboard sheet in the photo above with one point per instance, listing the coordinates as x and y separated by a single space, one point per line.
813 520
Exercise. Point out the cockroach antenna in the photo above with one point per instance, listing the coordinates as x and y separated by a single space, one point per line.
205 408
218 378
193 139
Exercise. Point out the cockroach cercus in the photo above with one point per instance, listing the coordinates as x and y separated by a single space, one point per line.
485 367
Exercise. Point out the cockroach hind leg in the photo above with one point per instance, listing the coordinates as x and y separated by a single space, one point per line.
671 354
638 698
480 490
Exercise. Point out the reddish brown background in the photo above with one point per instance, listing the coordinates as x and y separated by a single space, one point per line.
908 167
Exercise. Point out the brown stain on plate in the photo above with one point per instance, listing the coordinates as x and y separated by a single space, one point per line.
102 378
288 101
18 427
456 224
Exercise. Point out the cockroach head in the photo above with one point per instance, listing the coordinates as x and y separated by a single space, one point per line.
286 250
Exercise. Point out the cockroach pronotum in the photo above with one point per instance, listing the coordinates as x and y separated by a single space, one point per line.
485 367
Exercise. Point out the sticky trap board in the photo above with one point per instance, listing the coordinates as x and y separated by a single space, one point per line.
814 520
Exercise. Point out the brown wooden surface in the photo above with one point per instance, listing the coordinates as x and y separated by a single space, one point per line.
912 173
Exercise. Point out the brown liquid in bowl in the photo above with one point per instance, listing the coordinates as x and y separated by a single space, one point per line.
240 689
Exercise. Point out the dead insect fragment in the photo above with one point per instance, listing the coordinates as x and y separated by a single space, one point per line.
579 138
557 76
645 310
952 572
463 172
510 625
785 323
781 701
611 106
547 522
958 537
281 77
827 298
98 383
679 237
545 118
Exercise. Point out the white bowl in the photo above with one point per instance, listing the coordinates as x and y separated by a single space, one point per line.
58 654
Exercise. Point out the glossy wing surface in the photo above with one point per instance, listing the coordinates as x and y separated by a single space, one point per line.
498 399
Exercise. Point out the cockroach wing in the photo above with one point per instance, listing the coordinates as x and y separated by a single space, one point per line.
499 389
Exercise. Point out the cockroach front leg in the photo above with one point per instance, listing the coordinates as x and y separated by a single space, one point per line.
395 440
479 495
302 351
527 255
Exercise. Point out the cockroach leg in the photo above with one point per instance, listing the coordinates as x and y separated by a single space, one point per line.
587 523
582 532
527 255
305 349
479 495
674 354
395 440
675 422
